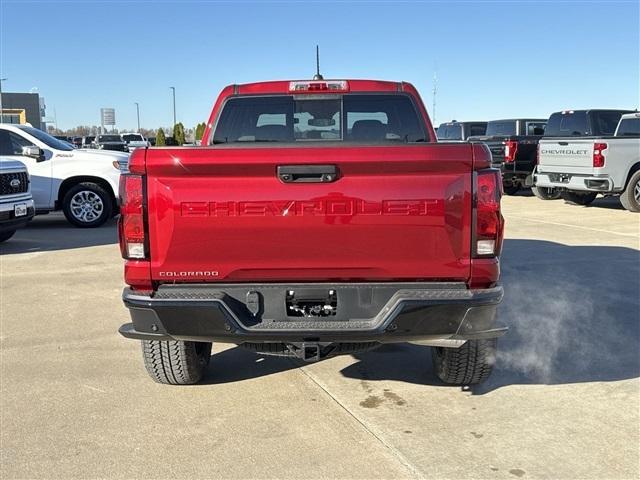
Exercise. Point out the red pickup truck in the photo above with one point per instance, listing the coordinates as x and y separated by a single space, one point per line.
317 218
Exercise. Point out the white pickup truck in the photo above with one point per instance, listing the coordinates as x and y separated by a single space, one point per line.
605 160
134 140
81 183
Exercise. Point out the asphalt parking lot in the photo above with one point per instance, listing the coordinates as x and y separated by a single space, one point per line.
563 402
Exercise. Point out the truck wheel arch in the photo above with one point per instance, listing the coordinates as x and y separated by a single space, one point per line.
70 182
634 168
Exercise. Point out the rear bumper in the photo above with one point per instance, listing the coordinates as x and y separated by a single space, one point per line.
514 170
373 312
573 181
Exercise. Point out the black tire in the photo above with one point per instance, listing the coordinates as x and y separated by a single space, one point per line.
97 201
468 365
6 235
630 198
544 193
176 363
578 198
511 188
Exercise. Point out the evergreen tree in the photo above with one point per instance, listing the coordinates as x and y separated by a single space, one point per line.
178 133
160 139
200 130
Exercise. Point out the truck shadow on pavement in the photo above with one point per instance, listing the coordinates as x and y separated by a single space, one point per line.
573 313
612 203
53 232
237 364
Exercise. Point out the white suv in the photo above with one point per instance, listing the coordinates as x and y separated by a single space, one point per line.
81 183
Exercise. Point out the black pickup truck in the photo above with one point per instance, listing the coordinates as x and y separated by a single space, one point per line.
514 149
455 131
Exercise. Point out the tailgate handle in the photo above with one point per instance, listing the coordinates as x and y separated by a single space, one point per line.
564 144
307 173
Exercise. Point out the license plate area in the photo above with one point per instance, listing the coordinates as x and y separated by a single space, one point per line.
559 177
20 210
311 303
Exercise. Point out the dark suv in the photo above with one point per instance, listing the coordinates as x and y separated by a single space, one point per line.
111 142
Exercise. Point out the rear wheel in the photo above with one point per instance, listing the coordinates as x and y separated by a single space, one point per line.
6 235
544 193
469 364
174 362
630 198
578 198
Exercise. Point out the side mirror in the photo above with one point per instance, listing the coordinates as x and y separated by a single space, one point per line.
33 152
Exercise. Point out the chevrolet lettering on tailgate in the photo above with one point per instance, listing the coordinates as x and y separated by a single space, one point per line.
305 208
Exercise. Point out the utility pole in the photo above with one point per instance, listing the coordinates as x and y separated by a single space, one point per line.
138 115
1 80
435 91
173 89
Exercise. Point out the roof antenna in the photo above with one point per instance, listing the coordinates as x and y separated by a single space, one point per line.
317 76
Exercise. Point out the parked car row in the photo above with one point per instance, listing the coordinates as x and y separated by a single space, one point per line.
547 155
81 183
574 155
124 142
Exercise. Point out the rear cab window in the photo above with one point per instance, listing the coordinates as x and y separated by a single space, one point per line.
132 137
629 127
582 122
477 129
535 128
450 131
370 118
567 124
605 123
502 127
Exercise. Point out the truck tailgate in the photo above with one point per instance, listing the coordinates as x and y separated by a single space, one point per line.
572 153
223 214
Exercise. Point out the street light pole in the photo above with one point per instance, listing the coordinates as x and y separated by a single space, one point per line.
1 80
138 115
173 90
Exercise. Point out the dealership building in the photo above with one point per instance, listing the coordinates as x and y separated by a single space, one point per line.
23 108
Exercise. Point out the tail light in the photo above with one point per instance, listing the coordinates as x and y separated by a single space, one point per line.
489 224
131 225
598 154
319 86
510 149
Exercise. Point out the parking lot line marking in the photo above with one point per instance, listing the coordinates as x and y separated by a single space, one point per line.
581 227
394 451
94 388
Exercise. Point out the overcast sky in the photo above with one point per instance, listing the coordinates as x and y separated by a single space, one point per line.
493 59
